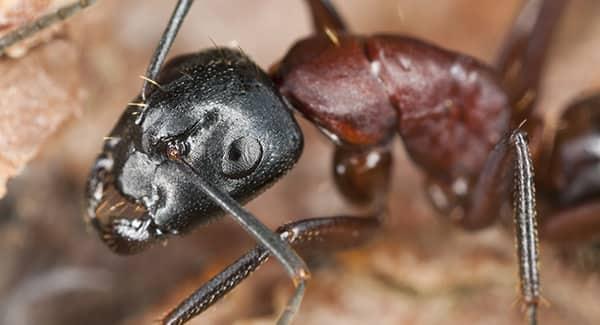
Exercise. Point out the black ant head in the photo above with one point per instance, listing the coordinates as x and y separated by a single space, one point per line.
213 116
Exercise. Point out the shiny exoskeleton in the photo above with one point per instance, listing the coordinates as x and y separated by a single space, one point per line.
215 97
210 130
573 176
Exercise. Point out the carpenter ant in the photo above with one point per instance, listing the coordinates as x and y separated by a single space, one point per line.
210 131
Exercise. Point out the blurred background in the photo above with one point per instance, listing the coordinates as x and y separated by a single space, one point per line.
62 97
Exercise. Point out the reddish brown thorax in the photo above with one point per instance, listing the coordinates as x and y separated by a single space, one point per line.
448 108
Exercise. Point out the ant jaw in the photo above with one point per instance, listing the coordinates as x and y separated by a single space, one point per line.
125 226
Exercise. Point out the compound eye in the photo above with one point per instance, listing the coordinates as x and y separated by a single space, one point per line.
176 149
241 157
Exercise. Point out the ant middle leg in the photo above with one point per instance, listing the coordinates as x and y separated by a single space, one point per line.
329 233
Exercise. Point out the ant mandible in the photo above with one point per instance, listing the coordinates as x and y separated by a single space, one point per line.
210 131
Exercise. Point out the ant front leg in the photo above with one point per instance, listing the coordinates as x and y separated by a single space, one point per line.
331 233
362 175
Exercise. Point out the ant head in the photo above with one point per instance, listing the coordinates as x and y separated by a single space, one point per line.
213 117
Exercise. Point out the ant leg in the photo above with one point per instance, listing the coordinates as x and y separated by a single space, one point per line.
524 51
310 234
293 264
42 22
575 224
325 17
164 45
525 224
512 152
363 175
492 188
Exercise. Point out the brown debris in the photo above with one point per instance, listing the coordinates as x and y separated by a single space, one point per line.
14 13
39 92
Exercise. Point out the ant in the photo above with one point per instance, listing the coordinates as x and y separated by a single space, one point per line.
210 130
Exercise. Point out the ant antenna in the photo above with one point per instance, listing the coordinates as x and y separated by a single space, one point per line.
164 45
293 264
